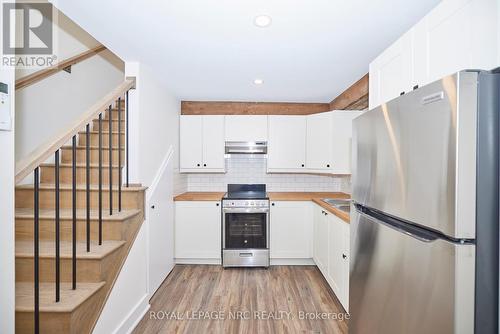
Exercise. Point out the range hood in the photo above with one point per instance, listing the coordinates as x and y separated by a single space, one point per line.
246 147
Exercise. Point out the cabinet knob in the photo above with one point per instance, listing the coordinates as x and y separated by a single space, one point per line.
303 165
402 93
198 165
344 256
415 87
217 204
328 165
272 204
152 206
204 165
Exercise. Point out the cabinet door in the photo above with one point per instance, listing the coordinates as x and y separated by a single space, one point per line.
335 260
246 128
287 143
191 149
291 230
319 142
321 240
213 143
198 230
345 271
457 35
391 73
342 141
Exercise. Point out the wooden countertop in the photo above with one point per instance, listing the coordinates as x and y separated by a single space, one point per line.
277 196
199 196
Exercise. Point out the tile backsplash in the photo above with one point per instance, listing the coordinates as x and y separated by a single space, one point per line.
252 169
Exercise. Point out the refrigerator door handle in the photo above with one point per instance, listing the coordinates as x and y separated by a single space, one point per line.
407 228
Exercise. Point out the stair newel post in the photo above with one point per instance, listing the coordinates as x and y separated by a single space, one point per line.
126 135
87 179
36 250
57 214
73 191
119 154
100 179
110 147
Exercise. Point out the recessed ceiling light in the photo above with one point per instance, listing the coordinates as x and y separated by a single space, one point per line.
258 81
262 21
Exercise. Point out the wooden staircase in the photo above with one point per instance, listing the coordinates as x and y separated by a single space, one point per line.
97 269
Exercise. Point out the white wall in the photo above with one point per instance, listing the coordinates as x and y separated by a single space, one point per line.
7 279
154 126
49 106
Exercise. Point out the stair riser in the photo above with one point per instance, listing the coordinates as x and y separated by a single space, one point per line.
94 140
115 114
105 125
81 157
66 175
130 199
77 322
111 229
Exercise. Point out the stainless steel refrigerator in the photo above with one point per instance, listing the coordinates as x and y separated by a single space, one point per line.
425 216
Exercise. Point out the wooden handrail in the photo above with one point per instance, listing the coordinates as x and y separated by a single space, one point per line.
25 166
47 72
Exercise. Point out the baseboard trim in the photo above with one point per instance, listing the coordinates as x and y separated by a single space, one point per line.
130 322
292 262
274 262
198 261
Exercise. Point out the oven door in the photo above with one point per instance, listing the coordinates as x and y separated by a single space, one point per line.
245 228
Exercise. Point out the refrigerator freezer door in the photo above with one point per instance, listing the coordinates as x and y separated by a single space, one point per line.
402 284
413 155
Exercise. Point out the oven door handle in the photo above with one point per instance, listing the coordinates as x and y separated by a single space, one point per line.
245 210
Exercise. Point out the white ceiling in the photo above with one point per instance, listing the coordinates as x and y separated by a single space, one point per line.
210 49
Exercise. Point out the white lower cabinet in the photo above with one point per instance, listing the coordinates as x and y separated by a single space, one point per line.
331 252
198 230
291 230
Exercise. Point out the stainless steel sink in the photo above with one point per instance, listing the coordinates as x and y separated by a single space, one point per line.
338 203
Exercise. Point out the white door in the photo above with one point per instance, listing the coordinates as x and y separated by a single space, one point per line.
246 128
335 260
198 230
457 35
191 138
291 230
391 73
213 143
287 143
319 142
342 140
320 240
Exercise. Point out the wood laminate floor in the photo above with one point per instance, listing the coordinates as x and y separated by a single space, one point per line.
281 299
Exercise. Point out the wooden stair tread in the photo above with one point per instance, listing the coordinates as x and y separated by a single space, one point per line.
92 147
81 187
69 301
24 249
96 132
78 165
81 214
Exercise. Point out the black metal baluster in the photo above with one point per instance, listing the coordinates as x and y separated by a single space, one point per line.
36 251
110 147
126 134
58 256
74 212
87 179
100 179
119 154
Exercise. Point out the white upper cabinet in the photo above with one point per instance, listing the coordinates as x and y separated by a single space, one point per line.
456 35
287 143
342 140
391 73
246 128
319 144
202 144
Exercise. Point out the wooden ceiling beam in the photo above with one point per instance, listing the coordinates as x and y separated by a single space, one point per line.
354 97
251 108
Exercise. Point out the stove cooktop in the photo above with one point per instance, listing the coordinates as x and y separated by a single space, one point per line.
246 191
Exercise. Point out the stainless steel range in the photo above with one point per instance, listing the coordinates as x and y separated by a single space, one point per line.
245 226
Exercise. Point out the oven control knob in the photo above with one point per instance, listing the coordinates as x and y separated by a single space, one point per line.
245 241
252 203
246 203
